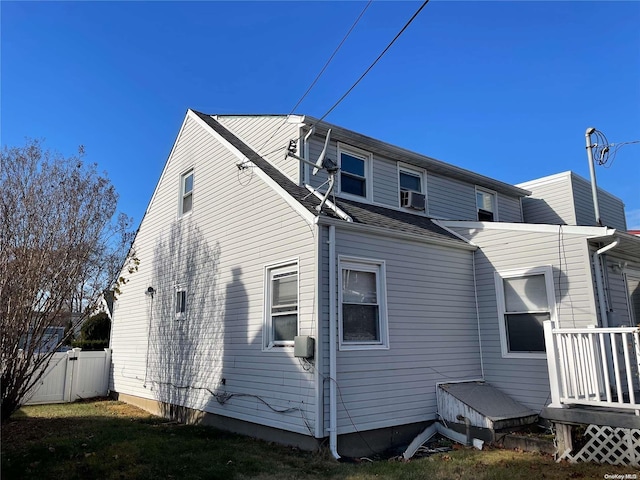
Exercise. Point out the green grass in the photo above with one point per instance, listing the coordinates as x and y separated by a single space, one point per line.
112 440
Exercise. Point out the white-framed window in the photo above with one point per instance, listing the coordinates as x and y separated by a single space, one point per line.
355 171
186 192
363 304
281 304
181 302
487 205
632 282
412 188
525 300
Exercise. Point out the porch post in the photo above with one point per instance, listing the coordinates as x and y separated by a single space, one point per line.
552 364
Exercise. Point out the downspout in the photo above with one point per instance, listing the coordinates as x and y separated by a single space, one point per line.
475 292
333 334
599 284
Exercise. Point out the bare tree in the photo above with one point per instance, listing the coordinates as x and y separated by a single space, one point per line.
60 249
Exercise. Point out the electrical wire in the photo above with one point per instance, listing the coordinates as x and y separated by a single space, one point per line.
604 153
319 74
406 25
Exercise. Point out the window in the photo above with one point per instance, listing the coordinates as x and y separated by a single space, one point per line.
363 315
633 288
411 188
486 203
525 301
186 192
281 294
181 302
354 171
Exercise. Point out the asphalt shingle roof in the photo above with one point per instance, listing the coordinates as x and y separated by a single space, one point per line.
362 213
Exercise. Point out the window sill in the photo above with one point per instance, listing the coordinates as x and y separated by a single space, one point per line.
532 355
362 346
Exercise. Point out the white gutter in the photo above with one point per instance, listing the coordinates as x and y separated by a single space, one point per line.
333 333
599 285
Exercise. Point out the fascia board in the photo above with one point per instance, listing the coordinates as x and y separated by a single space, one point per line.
292 202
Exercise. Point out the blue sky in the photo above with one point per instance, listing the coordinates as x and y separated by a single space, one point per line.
506 89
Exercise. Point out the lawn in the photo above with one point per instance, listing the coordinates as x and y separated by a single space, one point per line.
113 440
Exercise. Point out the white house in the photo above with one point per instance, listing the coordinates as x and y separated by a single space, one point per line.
254 311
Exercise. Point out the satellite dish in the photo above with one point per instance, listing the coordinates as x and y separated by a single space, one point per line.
320 161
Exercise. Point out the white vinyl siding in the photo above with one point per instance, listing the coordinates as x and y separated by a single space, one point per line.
218 253
526 379
431 312
566 198
268 136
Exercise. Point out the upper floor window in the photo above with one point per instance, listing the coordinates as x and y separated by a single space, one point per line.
186 192
363 312
411 182
281 309
525 300
487 206
355 167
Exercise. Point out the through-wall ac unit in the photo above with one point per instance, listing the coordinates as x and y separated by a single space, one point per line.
413 200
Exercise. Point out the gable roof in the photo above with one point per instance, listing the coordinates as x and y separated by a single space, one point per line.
361 213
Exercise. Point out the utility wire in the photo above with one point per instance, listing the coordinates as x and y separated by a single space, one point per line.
319 74
424 4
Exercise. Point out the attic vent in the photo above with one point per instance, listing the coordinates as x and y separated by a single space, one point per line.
413 200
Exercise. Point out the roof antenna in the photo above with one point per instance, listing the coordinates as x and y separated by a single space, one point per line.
322 163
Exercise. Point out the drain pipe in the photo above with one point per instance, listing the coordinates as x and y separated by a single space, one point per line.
604 320
333 334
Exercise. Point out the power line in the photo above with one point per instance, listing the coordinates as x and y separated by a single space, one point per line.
424 4
319 74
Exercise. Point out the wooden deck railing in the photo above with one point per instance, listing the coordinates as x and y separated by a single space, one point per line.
594 366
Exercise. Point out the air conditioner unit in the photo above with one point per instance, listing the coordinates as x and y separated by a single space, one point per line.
413 200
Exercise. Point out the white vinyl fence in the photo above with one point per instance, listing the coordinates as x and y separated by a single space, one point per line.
73 375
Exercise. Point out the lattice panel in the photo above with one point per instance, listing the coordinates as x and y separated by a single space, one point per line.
615 446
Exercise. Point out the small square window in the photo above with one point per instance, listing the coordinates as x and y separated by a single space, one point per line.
186 193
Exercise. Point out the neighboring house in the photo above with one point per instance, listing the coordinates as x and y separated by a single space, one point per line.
363 323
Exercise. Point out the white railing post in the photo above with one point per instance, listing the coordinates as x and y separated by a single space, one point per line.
552 363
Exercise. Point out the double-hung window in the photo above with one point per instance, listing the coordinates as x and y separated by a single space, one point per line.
486 204
186 192
525 300
411 182
363 311
281 294
354 171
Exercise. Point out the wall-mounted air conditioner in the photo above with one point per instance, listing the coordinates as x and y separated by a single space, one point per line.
413 200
